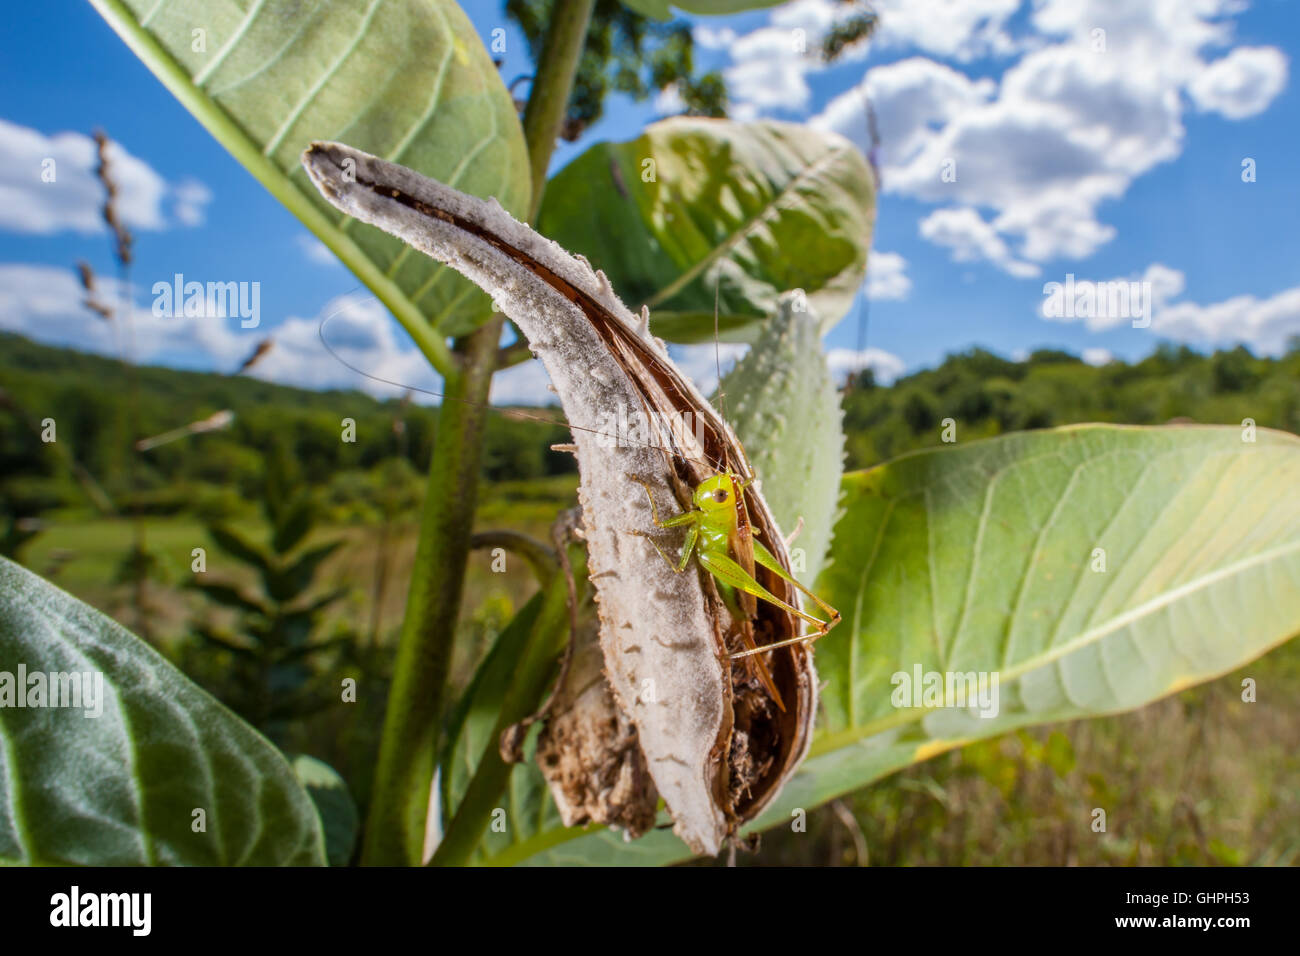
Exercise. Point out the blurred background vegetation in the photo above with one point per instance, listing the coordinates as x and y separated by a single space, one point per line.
308 542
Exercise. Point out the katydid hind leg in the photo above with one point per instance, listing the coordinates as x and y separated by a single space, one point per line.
754 667
725 569
768 560
801 639
760 668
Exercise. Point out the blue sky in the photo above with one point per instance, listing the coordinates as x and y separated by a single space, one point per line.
1115 163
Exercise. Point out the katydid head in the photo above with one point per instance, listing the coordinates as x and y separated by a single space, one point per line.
717 493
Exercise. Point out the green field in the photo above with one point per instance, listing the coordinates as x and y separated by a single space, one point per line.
83 555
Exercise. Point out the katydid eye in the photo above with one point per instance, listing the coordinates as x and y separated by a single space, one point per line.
720 495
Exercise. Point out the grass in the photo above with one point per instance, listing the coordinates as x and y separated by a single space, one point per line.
82 556
1202 778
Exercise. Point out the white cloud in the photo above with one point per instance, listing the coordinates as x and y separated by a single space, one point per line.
669 102
971 239
1067 127
770 65
526 384
189 202
45 303
1265 325
913 98
768 74
1110 303
71 201
887 276
708 38
700 363
1241 84
1166 283
953 29
361 331
885 365
814 17
316 251
1098 356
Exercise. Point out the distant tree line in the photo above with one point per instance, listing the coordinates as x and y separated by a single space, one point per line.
985 394
86 396
217 473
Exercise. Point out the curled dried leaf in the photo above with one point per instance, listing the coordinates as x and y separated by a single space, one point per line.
589 752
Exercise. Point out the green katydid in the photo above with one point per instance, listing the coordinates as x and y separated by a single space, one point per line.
718 536
721 538
712 529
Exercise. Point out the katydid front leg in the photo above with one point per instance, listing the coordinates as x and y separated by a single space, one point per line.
690 518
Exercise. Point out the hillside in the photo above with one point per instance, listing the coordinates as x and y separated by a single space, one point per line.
986 395
89 397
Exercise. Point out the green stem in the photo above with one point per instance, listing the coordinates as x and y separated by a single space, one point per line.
400 798
541 558
552 86
399 801
533 673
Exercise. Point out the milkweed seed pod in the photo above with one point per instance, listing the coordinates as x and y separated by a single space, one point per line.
715 744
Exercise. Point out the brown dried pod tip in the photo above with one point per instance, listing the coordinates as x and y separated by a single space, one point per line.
717 737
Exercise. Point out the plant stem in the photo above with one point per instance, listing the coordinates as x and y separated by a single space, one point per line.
391 507
400 799
536 666
540 558
552 86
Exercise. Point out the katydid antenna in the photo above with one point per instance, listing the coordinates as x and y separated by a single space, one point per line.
504 412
